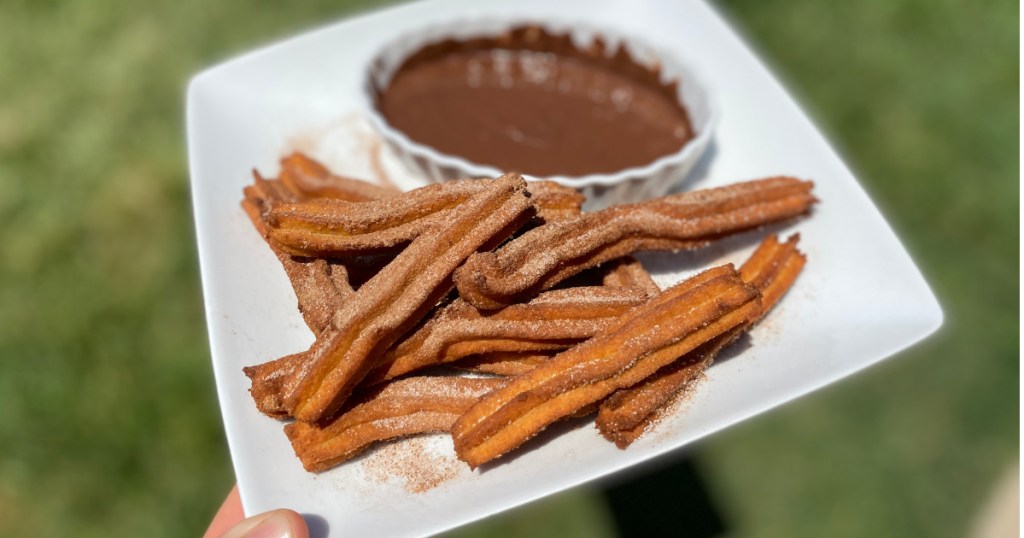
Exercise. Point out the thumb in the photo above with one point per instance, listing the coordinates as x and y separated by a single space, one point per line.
274 524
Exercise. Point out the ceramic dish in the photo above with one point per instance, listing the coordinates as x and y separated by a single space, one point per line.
861 298
628 185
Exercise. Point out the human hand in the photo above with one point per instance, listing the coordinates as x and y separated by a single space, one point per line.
230 522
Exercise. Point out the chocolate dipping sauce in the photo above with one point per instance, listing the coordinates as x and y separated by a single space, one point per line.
534 103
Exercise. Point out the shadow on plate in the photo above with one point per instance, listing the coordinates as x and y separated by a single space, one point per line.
318 526
699 173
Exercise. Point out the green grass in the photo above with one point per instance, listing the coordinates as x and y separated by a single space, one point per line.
110 424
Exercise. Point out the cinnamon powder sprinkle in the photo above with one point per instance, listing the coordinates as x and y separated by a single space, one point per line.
412 462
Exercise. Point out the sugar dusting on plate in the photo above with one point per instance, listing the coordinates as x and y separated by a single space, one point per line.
413 462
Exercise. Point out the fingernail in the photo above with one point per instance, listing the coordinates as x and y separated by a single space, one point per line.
273 524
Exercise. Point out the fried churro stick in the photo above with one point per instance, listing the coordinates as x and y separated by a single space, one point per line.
309 179
553 320
628 413
505 342
540 258
318 301
399 295
635 347
555 202
628 272
503 363
271 380
319 286
773 268
331 227
405 407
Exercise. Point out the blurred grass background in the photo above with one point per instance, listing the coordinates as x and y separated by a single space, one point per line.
109 420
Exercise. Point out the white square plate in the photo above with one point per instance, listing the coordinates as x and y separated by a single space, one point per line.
860 299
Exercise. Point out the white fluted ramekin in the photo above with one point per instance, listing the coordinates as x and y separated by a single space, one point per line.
628 185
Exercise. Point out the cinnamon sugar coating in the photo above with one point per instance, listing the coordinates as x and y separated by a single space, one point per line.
404 407
554 320
625 415
542 257
633 348
400 295
336 227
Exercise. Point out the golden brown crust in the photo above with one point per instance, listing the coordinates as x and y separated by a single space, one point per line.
336 227
400 295
503 363
271 380
320 286
626 414
329 227
410 406
542 257
308 178
552 321
555 202
773 269
628 272
506 341
644 348
633 348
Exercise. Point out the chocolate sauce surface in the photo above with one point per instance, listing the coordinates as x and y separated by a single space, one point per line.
534 103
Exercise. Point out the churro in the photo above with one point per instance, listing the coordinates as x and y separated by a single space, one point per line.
372 269
405 407
308 178
271 380
503 363
540 258
625 415
328 227
553 320
628 272
504 342
320 286
555 202
400 295
637 345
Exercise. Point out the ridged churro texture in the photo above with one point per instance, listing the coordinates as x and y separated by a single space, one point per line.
633 348
311 179
399 295
552 321
628 413
628 272
503 363
338 227
373 268
542 257
405 407
502 342
320 285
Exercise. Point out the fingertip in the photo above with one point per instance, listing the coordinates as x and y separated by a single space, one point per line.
229 514
296 523
281 523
